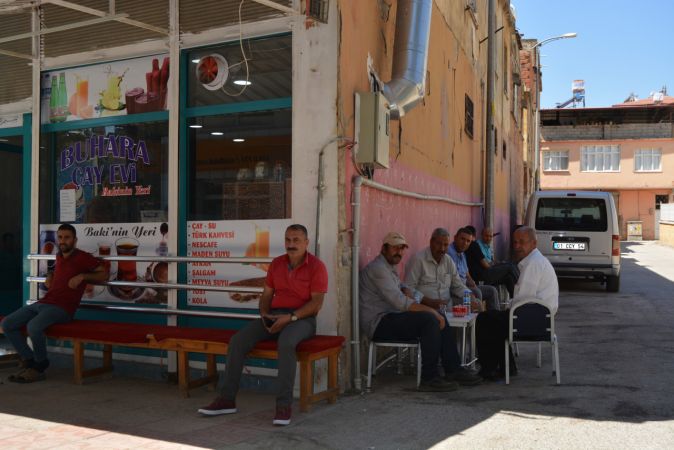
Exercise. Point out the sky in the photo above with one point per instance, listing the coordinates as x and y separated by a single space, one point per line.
622 47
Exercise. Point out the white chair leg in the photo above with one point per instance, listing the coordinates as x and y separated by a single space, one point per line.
370 364
418 365
557 370
538 359
507 362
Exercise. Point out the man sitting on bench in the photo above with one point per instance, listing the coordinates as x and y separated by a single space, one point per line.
293 294
73 270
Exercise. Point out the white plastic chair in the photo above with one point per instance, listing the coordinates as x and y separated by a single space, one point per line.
532 322
372 365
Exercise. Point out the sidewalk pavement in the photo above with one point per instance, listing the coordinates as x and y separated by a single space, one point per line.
616 358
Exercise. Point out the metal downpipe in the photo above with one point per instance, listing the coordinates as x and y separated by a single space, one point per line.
355 302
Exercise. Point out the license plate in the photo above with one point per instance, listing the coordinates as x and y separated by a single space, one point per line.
568 245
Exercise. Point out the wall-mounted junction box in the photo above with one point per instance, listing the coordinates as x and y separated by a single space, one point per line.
372 129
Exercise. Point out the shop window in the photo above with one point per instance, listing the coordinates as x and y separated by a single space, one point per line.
240 166
256 69
118 174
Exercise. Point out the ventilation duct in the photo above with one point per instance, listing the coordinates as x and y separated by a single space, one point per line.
410 56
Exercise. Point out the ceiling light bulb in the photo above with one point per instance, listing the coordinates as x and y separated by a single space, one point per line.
242 82
196 126
196 60
217 133
239 140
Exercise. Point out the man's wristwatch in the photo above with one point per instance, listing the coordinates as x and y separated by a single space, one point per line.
293 318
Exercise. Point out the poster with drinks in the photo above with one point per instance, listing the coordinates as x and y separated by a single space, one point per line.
118 239
116 88
231 238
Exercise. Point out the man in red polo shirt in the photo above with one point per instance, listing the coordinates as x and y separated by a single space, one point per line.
73 270
293 294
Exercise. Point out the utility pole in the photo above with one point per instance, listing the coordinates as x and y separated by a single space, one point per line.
491 86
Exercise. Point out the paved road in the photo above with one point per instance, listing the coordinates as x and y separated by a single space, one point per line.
616 357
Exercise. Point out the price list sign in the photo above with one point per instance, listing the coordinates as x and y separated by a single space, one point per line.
225 239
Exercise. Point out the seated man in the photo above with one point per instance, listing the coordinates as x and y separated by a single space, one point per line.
485 244
432 272
482 270
537 279
392 311
462 240
73 270
293 294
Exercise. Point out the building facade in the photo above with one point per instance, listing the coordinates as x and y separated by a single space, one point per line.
627 149
202 129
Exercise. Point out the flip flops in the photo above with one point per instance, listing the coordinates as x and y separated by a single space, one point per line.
29 375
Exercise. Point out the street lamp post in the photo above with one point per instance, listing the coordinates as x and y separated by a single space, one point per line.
537 133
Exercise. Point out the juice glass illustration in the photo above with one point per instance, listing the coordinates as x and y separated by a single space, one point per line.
261 242
126 270
82 92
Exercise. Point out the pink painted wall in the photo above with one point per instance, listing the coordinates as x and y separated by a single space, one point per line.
430 152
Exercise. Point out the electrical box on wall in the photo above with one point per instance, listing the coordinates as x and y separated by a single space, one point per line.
372 129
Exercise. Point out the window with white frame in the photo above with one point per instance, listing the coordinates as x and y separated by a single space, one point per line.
600 158
557 160
647 160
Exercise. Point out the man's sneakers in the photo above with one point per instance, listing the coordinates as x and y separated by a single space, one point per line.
464 377
28 375
437 385
219 406
282 416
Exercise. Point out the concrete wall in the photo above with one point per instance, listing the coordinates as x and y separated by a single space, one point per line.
639 205
667 233
613 131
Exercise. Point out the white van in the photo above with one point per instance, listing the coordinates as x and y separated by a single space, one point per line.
578 232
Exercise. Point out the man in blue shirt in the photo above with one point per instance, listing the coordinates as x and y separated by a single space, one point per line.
456 252
485 244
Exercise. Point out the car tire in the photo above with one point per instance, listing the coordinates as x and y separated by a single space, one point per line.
613 283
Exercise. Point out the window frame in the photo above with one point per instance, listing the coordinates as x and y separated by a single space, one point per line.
469 120
558 154
594 151
639 153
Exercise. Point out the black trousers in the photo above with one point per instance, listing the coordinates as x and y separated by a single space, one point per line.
506 274
436 344
491 333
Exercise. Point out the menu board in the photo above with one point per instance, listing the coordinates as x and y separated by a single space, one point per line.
231 238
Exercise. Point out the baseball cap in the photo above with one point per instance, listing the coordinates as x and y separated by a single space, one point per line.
395 238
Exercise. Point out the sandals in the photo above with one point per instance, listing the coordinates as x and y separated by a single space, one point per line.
28 375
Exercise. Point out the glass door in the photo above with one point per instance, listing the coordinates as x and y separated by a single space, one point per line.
11 154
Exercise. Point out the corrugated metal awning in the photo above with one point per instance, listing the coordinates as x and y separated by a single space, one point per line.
195 16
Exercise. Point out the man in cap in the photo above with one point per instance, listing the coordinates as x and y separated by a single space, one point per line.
391 311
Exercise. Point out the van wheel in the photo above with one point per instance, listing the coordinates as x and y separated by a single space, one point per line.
613 283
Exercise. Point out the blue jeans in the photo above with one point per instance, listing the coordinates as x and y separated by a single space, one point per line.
37 318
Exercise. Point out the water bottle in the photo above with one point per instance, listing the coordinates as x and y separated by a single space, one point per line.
466 300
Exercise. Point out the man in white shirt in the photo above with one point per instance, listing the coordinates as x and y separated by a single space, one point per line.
538 280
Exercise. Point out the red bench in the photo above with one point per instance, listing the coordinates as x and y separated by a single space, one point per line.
184 340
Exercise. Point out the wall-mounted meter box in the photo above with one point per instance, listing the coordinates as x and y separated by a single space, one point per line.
372 129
